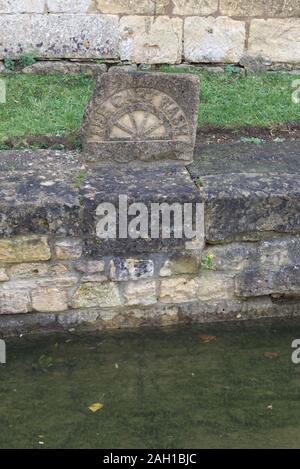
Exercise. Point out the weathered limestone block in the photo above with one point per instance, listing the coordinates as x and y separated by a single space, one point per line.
145 39
69 6
24 249
215 286
179 289
33 270
68 249
3 275
213 39
258 281
186 7
73 36
131 269
140 293
91 267
283 8
22 6
14 301
209 286
141 116
275 39
245 206
232 257
180 265
280 252
15 35
124 68
75 318
65 68
132 7
90 295
275 271
49 300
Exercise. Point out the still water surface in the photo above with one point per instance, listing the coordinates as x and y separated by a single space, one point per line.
169 388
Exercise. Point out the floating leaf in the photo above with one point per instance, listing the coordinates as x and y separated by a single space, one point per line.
207 338
95 407
271 355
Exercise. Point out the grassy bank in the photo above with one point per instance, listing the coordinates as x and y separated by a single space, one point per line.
54 105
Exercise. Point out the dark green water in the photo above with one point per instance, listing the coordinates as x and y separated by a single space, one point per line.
160 389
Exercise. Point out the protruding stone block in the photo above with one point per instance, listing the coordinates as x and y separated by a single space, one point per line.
141 116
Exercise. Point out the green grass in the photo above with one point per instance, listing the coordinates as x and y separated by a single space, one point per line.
41 105
234 100
54 105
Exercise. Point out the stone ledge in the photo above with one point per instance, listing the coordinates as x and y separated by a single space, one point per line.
151 316
61 199
250 191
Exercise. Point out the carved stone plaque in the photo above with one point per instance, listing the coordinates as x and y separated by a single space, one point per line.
141 116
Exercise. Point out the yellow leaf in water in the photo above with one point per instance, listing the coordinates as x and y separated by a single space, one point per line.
95 407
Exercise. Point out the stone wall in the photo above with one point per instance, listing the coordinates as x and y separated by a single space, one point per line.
55 272
152 31
47 284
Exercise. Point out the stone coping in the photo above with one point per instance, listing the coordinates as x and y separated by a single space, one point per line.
248 190
53 193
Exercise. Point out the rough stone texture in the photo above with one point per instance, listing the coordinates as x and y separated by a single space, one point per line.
252 8
214 286
27 323
275 39
143 116
144 39
49 300
91 267
180 264
132 7
272 281
68 36
274 271
131 269
22 6
56 206
39 269
14 302
65 68
187 7
3 275
68 249
210 286
69 6
213 39
151 31
24 249
140 293
179 289
123 68
76 36
232 257
93 294
15 35
244 201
